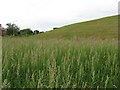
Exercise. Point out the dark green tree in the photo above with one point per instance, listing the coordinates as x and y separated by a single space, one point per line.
26 32
36 32
12 29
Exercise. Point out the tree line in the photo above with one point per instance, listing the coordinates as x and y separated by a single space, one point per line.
14 30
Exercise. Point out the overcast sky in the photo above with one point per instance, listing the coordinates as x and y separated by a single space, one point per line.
43 15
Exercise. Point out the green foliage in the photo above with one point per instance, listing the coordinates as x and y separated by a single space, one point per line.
12 29
26 32
36 32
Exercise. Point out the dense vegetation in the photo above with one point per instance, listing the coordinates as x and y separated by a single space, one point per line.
57 59
14 30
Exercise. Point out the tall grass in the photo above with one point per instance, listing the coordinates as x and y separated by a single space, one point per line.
34 63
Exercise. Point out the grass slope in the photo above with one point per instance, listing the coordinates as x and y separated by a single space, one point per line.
100 28
61 59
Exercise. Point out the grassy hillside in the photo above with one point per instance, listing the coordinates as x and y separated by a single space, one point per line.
61 59
100 28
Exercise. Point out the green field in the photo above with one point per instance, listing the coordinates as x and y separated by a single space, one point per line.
81 55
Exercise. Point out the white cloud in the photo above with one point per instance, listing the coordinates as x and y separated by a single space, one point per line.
45 14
